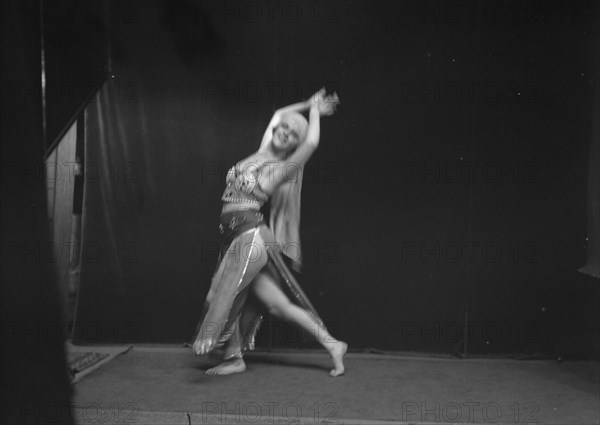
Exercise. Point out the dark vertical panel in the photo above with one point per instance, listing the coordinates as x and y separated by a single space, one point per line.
34 384
74 41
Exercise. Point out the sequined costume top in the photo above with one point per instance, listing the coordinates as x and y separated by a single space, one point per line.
243 186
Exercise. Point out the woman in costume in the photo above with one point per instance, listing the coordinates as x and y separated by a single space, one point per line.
251 275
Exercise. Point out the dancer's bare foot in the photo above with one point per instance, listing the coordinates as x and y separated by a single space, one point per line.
337 354
228 367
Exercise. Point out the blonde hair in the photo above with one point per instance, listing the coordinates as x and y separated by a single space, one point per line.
285 201
297 119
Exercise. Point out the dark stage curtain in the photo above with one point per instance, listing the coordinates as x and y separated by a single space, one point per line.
447 201
592 267
147 216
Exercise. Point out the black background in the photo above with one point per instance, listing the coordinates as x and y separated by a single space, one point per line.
428 90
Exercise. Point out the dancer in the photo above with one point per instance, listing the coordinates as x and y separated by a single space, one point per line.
251 274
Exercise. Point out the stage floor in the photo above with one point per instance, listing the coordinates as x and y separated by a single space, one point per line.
166 385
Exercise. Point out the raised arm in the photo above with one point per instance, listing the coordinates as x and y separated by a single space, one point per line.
294 165
323 105
313 135
295 107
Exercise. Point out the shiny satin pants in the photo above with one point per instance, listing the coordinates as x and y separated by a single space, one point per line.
249 247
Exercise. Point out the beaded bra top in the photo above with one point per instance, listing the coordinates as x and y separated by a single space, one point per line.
243 186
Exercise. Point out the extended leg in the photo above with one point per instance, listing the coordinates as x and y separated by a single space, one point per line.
278 304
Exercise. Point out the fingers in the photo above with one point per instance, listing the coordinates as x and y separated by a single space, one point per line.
319 95
331 103
332 99
322 94
327 104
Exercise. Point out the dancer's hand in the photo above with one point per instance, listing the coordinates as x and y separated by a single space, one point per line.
316 98
328 104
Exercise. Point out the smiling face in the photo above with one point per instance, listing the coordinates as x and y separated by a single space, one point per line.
286 136
289 133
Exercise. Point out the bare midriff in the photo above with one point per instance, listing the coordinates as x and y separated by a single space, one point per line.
238 206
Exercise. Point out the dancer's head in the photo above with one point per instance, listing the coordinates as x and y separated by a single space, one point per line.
289 133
